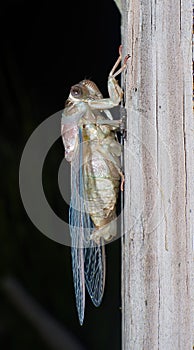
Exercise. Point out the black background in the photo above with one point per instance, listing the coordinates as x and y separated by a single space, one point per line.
46 47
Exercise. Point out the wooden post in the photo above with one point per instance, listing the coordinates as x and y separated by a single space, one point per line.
157 292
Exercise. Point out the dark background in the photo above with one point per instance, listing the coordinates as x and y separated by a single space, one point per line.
45 48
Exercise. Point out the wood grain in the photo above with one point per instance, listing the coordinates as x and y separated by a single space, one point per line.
157 290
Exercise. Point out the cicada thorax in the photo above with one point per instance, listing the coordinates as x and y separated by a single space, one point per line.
101 177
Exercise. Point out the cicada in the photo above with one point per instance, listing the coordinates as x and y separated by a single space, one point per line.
91 146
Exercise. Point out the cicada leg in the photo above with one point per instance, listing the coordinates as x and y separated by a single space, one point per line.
115 91
123 67
122 180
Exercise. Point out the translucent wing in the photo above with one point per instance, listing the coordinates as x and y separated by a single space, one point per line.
77 234
88 258
78 273
94 265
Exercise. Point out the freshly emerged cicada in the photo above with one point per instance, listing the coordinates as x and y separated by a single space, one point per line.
89 136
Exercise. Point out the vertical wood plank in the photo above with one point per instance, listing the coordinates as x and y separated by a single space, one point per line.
157 291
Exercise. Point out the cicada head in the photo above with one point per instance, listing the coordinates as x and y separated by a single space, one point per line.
92 89
85 90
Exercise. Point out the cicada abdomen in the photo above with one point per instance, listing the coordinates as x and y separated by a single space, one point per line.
88 133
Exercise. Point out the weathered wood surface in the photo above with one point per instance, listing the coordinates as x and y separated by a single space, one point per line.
157 290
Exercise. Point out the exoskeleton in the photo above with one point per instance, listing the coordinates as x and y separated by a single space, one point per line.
91 146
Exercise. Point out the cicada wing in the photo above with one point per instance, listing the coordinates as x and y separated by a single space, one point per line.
80 228
78 274
77 236
94 268
88 258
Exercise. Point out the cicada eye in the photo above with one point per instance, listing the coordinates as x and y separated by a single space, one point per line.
76 91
